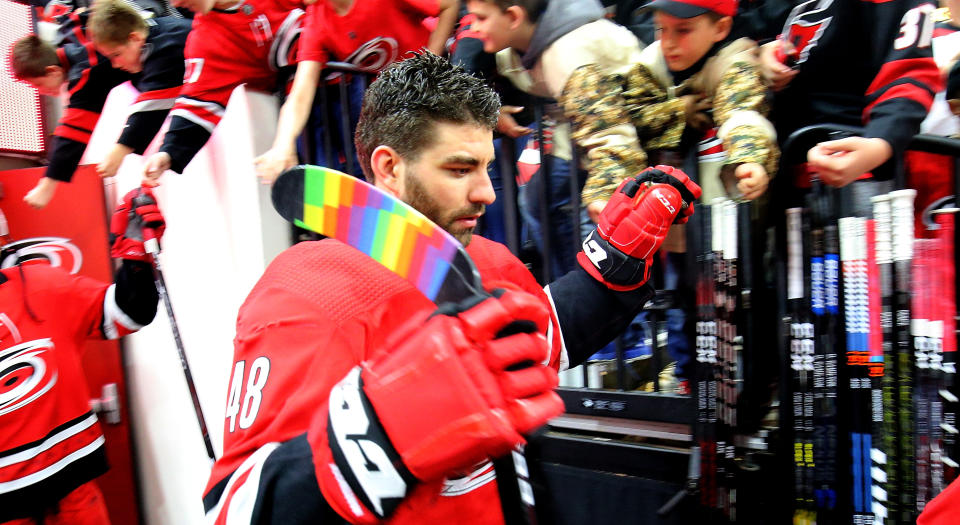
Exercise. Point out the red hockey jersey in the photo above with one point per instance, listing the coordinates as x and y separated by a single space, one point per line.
50 442
249 43
320 309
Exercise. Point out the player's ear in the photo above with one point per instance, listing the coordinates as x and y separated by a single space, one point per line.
385 163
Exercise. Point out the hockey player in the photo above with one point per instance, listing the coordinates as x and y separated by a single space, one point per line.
157 74
348 31
50 443
854 63
233 42
353 397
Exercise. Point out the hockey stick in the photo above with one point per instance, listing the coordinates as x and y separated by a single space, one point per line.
408 244
153 248
901 230
948 312
888 383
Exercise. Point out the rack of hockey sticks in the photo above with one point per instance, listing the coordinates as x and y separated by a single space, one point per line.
869 339
724 345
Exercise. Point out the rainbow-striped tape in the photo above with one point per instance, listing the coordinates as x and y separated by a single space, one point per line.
388 230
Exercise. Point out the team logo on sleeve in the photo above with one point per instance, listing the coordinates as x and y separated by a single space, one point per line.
57 251
805 26
25 374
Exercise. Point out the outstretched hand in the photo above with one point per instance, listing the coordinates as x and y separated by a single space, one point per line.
42 193
753 180
156 165
840 162
275 161
110 164
776 73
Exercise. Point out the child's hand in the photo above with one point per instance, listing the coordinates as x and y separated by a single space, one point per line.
594 209
753 180
774 71
507 125
111 163
41 194
271 164
840 162
156 165
696 107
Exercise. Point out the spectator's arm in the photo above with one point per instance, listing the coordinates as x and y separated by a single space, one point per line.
601 126
293 118
444 29
740 109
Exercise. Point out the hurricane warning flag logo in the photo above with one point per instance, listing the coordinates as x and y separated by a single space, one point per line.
25 374
805 26
57 251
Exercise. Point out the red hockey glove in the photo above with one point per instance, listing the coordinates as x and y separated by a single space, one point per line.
137 211
634 223
451 392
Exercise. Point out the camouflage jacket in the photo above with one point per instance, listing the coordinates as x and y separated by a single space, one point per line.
584 71
731 79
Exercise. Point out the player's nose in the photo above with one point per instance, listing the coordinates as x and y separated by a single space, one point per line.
481 190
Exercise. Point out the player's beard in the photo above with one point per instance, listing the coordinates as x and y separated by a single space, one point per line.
416 195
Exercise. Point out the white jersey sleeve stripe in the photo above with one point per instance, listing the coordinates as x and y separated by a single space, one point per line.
152 105
553 339
246 493
115 321
192 117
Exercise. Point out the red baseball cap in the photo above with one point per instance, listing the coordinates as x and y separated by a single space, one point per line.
692 8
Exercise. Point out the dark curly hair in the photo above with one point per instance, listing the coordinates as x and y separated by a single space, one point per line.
402 104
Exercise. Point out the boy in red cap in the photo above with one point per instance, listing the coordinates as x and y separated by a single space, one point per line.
693 86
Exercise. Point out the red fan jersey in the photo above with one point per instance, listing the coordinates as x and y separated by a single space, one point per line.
248 43
50 442
372 34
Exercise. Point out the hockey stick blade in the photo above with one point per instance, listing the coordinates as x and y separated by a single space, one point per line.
405 242
385 228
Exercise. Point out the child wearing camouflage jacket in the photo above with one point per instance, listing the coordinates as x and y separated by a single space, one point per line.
691 72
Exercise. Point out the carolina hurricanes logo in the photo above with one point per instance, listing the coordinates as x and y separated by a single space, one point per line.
927 216
57 251
55 9
376 54
805 26
24 374
283 51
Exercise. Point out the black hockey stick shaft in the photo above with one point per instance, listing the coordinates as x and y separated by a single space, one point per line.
153 248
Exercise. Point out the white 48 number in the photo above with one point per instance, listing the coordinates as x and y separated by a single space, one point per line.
245 402
916 27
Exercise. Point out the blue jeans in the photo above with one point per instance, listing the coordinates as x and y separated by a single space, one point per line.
336 158
562 221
